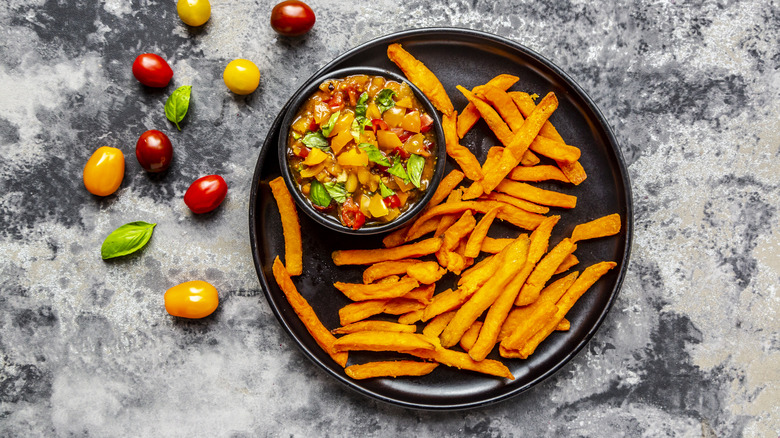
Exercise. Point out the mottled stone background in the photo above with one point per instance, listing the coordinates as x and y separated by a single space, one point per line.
691 347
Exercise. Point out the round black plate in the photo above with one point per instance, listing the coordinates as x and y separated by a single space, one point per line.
468 58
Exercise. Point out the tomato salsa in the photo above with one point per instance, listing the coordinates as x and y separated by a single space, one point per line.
361 149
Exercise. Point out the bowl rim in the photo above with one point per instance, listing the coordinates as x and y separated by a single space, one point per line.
304 93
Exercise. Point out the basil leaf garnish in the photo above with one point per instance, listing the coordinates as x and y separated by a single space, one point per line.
384 191
359 123
384 100
374 154
316 140
126 239
337 191
328 128
415 165
362 106
319 194
177 104
398 169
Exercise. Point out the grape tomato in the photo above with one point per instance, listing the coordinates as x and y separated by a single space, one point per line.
152 70
206 194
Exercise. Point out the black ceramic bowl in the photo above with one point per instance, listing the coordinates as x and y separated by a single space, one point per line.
300 97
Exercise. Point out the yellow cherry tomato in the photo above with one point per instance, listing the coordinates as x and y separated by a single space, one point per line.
191 299
104 171
241 76
194 12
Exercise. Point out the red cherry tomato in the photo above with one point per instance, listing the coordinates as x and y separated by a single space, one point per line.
292 18
205 194
351 215
154 151
392 201
426 122
152 71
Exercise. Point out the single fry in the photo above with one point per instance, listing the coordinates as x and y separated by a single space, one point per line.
529 159
393 369
470 115
494 246
474 244
543 271
422 294
383 326
361 310
426 272
410 317
470 337
449 219
308 317
291 227
519 217
563 326
551 294
503 103
399 306
371 256
426 228
422 77
554 149
434 328
462 361
377 291
446 186
510 262
382 341
567 263
517 202
462 155
386 269
537 195
601 227
537 174
441 303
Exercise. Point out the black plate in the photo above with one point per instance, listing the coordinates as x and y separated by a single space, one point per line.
468 58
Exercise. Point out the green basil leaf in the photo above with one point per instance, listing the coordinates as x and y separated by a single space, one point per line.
357 127
398 170
384 191
374 154
328 127
316 140
177 105
319 194
384 100
126 239
415 165
362 106
337 191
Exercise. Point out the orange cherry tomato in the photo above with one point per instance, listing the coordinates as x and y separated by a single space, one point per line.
192 299
104 171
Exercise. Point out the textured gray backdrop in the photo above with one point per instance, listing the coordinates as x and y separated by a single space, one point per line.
691 348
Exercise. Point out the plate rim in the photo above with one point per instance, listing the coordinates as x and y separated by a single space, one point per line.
611 140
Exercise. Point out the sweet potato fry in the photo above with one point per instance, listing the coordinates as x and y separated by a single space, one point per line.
517 202
388 279
470 115
529 159
371 256
361 310
426 228
474 244
510 262
520 142
399 306
382 341
519 217
462 155
378 291
503 103
601 227
589 276
537 195
434 328
422 77
446 186
291 227
470 337
452 238
426 272
490 116
527 328
422 294
537 173
493 157
442 302
410 317
573 171
567 263
449 219
308 317
386 269
395 368
554 149
563 326
384 326
462 361
543 271
494 246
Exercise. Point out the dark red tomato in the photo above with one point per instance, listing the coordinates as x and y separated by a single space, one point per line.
205 194
152 71
351 215
426 122
154 151
380 124
292 18
392 201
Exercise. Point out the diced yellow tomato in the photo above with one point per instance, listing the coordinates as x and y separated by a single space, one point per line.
313 170
368 137
373 111
316 156
416 145
321 112
338 142
402 196
364 175
365 201
388 140
352 182
353 157
404 92
411 121
392 213
402 185
405 102
377 83
301 125
377 206
394 116
343 123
